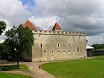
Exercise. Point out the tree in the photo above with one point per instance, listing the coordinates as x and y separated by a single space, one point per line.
21 41
2 26
5 51
98 46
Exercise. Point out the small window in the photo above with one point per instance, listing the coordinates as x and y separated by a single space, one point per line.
68 50
77 48
58 50
41 45
58 45
73 51
52 51
69 44
44 51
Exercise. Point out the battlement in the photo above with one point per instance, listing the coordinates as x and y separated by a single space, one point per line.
57 32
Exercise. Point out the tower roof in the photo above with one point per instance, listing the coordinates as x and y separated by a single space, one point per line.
29 24
56 27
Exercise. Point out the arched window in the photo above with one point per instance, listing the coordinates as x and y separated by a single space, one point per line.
58 45
40 45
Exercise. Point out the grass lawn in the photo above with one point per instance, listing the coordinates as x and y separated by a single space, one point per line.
85 68
9 75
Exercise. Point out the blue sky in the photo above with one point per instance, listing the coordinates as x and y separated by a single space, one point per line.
25 2
29 3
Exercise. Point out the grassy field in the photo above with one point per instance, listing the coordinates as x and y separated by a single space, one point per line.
82 68
8 75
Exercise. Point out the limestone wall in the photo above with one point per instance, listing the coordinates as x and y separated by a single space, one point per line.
49 45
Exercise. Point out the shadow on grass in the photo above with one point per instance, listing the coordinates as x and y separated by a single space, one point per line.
8 67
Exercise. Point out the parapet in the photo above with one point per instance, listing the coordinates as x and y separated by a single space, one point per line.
58 32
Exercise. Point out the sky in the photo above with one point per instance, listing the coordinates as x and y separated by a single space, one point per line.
72 15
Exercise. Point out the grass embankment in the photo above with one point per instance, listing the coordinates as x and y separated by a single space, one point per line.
86 68
13 68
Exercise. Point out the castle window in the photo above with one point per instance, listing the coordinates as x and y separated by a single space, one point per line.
69 44
77 48
58 50
58 45
52 51
73 51
44 51
41 45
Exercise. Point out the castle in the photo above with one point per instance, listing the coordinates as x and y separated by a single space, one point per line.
56 44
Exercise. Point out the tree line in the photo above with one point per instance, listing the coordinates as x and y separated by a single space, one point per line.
98 46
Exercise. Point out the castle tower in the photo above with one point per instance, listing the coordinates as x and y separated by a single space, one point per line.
30 25
56 27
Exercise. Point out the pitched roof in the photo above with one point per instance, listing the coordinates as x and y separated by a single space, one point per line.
56 27
29 24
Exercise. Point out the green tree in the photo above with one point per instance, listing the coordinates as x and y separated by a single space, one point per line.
5 51
98 46
21 41
2 26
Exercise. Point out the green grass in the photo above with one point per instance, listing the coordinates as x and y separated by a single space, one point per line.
22 67
9 75
85 68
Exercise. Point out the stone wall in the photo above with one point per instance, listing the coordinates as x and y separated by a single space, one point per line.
49 45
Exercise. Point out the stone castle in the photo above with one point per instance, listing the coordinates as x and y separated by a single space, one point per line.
56 44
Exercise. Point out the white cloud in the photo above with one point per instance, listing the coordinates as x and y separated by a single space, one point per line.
13 13
44 22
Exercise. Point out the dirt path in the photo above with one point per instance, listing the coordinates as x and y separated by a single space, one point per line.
34 72
39 73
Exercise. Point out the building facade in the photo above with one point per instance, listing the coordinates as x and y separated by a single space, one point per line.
58 45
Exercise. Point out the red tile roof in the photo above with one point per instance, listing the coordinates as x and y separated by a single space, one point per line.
30 25
56 27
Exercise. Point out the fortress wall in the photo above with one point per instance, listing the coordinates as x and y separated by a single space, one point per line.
49 45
